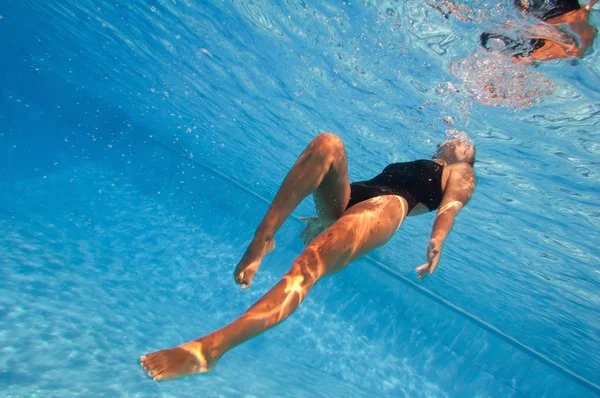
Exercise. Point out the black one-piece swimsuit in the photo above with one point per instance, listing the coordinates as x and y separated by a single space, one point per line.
419 181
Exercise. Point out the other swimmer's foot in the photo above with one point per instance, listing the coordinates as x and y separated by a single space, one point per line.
185 360
250 262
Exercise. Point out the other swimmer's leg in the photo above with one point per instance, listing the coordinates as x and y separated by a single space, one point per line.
364 227
321 167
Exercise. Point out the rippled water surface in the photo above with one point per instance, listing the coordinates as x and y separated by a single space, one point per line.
140 140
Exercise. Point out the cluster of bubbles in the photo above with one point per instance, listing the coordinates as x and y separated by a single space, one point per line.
462 12
458 135
496 80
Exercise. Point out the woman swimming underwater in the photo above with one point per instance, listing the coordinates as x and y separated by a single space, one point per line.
353 219
564 33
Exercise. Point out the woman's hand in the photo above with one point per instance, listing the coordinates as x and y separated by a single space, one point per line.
434 250
312 230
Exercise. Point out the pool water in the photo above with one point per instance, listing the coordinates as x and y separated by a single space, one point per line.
141 142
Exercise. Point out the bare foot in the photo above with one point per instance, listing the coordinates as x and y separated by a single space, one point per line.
250 262
185 360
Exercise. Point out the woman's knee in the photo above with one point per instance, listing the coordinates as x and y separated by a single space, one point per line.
328 143
307 267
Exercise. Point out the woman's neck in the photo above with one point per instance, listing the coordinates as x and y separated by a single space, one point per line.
441 162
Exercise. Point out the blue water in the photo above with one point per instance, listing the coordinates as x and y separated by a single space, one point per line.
140 143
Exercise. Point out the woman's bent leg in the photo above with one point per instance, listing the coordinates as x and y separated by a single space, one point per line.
321 167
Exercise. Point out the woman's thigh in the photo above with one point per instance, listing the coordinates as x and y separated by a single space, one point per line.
332 195
364 227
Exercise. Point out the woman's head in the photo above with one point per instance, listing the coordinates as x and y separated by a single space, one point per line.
454 151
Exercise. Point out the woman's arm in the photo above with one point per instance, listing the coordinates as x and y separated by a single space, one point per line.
459 188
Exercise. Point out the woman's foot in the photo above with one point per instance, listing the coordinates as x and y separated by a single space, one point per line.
185 360
250 262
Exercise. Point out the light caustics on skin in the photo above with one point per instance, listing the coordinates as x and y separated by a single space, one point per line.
200 356
184 360
447 206
364 227
293 289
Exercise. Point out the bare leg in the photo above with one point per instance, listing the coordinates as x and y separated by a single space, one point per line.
323 169
361 229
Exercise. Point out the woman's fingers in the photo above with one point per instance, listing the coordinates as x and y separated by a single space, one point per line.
422 267
424 270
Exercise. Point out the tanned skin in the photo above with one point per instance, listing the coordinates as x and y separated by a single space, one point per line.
560 45
340 237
